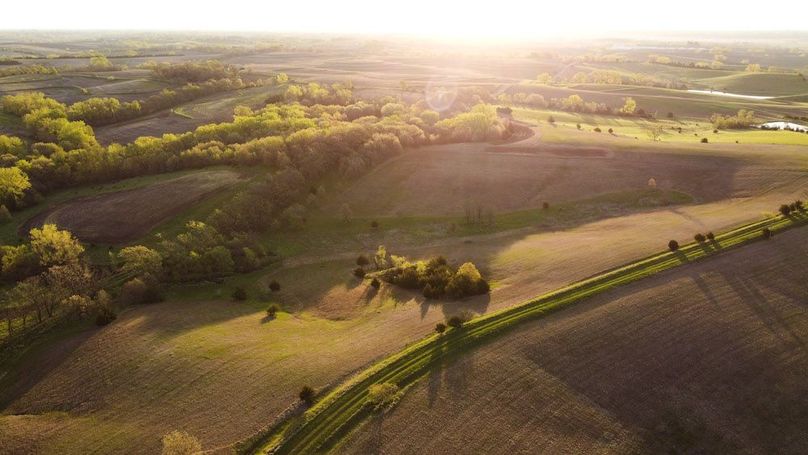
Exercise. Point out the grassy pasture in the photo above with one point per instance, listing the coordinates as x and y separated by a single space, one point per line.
630 128
703 358
762 84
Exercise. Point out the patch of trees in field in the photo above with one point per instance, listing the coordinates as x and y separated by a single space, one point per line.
53 280
607 77
743 119
573 103
314 140
435 278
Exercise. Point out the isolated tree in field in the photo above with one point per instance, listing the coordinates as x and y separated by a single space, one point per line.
597 129
704 140
272 311
180 443
306 395
700 237
578 125
545 205
455 322
655 132
54 247
785 209
629 106
710 236
551 120
652 183
611 131
544 78
673 245
440 327
274 286
753 68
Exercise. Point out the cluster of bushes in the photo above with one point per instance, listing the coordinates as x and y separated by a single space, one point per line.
572 103
794 207
314 93
193 71
435 278
619 78
27 69
743 119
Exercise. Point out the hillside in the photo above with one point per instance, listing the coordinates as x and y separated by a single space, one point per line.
708 358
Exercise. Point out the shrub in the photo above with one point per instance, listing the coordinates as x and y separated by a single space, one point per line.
105 316
440 327
700 237
137 290
272 311
551 119
306 395
359 272
766 233
545 205
710 236
274 286
799 205
239 293
384 395
375 283
5 215
180 443
578 125
374 224
785 209
704 140
611 131
597 129
673 245
362 260
455 322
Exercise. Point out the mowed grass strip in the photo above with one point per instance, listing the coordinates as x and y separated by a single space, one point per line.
322 425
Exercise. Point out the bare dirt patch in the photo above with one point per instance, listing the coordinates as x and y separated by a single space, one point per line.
119 217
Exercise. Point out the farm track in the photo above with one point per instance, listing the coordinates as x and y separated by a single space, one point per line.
344 407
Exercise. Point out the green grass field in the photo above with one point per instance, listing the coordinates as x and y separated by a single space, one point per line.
336 412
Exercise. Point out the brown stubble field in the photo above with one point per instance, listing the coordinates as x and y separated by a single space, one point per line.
108 218
707 359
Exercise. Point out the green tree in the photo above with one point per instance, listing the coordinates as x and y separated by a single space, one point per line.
13 184
141 261
55 247
629 106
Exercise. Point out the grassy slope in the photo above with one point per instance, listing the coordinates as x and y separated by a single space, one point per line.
336 412
702 359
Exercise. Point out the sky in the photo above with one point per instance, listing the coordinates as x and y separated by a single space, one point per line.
469 19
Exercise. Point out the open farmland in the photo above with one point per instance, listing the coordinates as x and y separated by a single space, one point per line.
708 358
327 175
108 218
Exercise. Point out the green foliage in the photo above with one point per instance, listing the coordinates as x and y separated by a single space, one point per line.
13 185
673 245
743 119
180 443
12 145
54 247
479 124
700 238
383 396
140 261
436 278
239 294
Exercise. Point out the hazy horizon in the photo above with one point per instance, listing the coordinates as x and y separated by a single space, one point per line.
509 21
